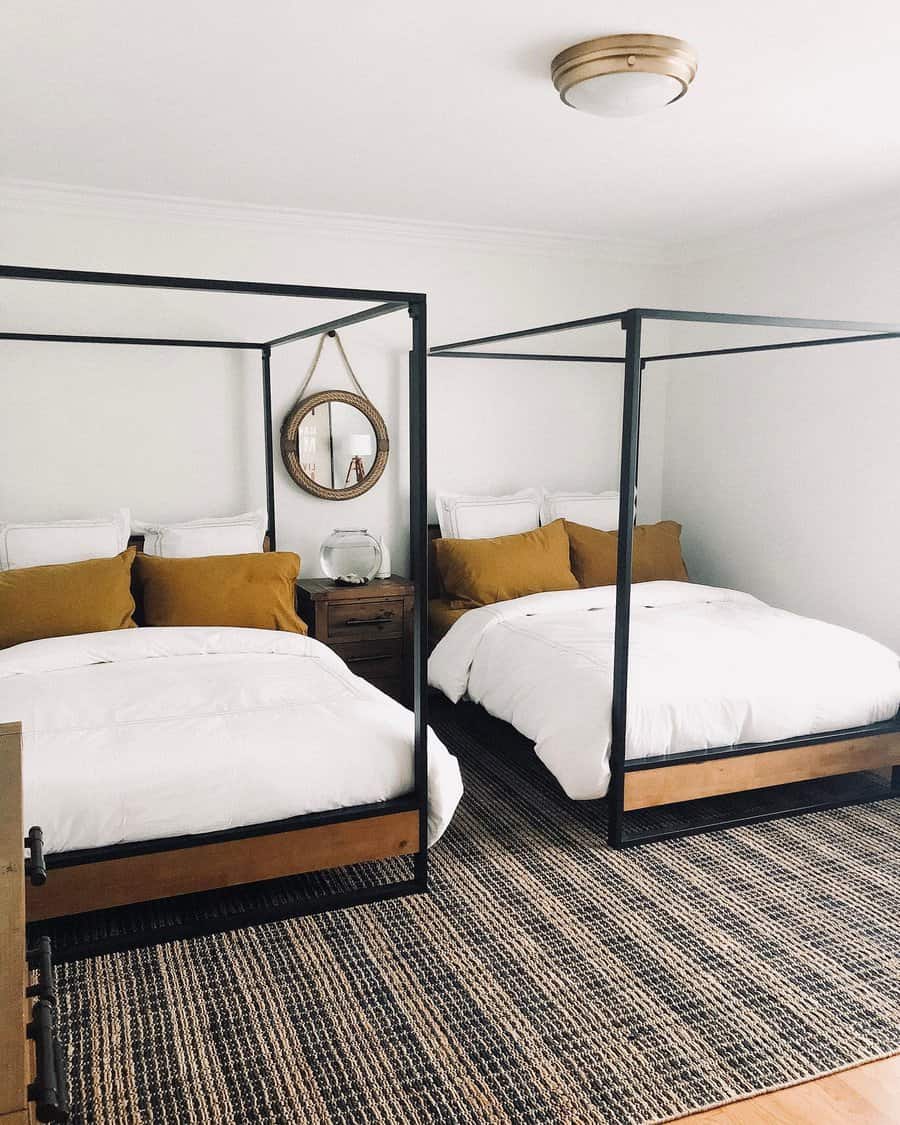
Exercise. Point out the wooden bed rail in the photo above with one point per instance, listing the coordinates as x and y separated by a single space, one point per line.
666 785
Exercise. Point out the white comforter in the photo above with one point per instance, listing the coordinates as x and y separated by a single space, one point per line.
148 733
708 667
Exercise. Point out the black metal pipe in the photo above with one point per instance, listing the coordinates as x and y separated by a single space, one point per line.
202 284
774 347
140 341
544 330
81 856
522 355
36 865
859 326
654 836
631 421
741 749
419 550
275 909
341 322
270 458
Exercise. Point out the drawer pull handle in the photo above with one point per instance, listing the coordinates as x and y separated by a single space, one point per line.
35 867
49 1090
368 659
384 619
40 959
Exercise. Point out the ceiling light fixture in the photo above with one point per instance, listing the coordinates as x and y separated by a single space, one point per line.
624 75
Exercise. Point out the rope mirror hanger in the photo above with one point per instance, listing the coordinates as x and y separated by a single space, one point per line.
314 443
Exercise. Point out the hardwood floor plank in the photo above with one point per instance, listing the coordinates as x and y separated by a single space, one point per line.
865 1095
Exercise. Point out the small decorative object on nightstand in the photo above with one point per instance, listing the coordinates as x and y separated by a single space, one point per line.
350 556
370 627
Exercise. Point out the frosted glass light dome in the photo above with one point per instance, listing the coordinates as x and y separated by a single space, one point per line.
624 75
625 94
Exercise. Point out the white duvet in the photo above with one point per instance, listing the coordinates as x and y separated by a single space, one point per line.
707 668
147 733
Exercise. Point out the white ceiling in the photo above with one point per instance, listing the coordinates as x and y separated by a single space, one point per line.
445 111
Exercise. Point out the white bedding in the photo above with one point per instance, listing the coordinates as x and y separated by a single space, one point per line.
708 667
141 734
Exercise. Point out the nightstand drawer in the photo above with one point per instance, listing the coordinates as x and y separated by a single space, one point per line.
373 660
365 620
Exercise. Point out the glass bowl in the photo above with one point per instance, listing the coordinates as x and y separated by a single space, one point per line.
350 556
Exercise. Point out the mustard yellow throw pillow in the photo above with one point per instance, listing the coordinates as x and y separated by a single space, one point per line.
63 599
248 591
656 555
484 571
442 614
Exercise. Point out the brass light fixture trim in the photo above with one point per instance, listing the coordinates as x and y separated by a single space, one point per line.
623 54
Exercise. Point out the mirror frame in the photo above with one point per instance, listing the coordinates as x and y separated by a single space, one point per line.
290 428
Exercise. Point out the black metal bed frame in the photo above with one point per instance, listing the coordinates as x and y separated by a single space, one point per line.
631 321
385 302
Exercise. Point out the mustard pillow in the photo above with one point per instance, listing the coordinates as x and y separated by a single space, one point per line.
484 571
248 591
656 555
63 599
442 614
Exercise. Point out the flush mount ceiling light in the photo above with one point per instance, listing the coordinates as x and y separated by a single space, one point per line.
624 75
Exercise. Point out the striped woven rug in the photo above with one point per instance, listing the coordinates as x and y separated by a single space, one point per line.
545 978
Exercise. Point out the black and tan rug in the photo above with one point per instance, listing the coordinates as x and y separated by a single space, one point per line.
545 978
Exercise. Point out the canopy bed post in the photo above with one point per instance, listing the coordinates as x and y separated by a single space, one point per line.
267 421
631 424
419 550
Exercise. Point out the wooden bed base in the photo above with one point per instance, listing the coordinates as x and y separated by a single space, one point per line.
666 785
104 883
96 884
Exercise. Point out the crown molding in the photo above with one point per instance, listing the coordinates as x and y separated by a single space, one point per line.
38 197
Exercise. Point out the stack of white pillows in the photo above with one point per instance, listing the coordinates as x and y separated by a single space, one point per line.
66 541
484 517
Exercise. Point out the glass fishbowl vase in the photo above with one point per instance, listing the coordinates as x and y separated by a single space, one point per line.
350 556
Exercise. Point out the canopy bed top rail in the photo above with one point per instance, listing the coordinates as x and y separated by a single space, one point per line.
862 331
204 284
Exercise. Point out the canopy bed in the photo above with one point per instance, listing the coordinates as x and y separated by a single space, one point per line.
597 712
182 849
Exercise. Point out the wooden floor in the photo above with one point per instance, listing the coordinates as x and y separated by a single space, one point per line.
866 1095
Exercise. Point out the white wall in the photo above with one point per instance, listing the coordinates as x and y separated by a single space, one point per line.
785 467
177 434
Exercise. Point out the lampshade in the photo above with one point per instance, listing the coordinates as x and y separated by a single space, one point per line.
624 75
360 445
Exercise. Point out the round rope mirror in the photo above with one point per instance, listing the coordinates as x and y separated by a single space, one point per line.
334 444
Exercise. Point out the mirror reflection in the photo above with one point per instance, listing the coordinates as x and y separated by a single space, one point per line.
336 445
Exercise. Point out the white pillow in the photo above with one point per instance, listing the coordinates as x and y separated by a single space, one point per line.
483 517
63 541
593 509
226 535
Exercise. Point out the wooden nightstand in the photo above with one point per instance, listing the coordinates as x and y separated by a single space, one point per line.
370 627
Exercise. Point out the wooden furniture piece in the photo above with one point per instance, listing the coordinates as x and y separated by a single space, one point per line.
370 627
32 1082
670 779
